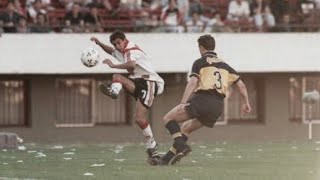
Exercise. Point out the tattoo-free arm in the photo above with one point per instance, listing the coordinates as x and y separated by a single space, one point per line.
105 47
246 108
191 86
127 65
130 65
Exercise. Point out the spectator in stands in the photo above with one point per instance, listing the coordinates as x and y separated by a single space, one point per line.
146 4
268 17
130 5
68 4
41 26
92 20
279 8
317 3
310 15
35 9
238 10
67 27
154 23
101 4
194 25
9 19
306 8
285 24
262 15
22 26
216 24
18 8
183 6
142 23
45 4
74 18
195 6
171 18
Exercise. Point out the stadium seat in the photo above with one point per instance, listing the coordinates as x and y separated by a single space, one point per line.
3 3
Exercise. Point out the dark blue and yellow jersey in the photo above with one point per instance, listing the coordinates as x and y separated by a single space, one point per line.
215 76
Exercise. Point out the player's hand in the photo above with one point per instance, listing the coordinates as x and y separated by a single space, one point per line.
246 108
108 62
95 40
182 108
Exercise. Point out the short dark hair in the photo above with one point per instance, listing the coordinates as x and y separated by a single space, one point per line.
207 42
117 35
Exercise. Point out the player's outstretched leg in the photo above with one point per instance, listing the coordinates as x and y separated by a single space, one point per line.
180 148
150 143
113 88
106 88
170 157
153 155
182 151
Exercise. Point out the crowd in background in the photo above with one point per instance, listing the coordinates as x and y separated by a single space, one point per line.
78 16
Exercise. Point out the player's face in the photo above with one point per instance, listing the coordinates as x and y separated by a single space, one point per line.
201 50
120 44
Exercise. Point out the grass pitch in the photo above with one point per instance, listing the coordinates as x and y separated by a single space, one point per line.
216 161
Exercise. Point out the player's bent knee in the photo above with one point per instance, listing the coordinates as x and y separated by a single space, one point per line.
117 77
185 130
139 118
167 117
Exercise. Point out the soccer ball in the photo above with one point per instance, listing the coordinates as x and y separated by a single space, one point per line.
90 57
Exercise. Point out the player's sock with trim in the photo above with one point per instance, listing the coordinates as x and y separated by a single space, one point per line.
185 137
147 133
116 87
174 129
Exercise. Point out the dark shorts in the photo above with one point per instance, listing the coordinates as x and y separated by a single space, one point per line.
207 108
145 91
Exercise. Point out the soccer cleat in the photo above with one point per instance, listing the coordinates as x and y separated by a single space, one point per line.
185 150
105 88
162 162
153 155
153 152
153 161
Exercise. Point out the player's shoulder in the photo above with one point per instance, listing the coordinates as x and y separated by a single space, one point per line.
199 61
226 66
133 48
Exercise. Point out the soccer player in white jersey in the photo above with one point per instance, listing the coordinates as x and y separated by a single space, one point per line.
143 82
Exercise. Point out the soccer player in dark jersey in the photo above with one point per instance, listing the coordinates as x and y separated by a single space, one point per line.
202 101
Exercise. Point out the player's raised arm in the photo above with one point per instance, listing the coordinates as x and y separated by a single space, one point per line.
130 65
105 47
246 108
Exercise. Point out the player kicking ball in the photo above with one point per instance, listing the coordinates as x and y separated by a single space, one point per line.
143 83
209 80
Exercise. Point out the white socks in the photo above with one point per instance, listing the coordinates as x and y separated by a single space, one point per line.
116 87
150 142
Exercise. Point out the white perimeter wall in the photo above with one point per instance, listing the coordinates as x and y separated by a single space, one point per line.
60 53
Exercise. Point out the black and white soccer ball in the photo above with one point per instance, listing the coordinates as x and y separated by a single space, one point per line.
90 57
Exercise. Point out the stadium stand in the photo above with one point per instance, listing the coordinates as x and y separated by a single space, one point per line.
119 18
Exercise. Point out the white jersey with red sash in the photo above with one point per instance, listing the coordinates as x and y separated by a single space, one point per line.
144 67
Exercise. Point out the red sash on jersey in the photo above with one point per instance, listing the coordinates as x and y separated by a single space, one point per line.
129 49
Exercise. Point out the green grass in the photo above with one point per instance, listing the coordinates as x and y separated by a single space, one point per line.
220 161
